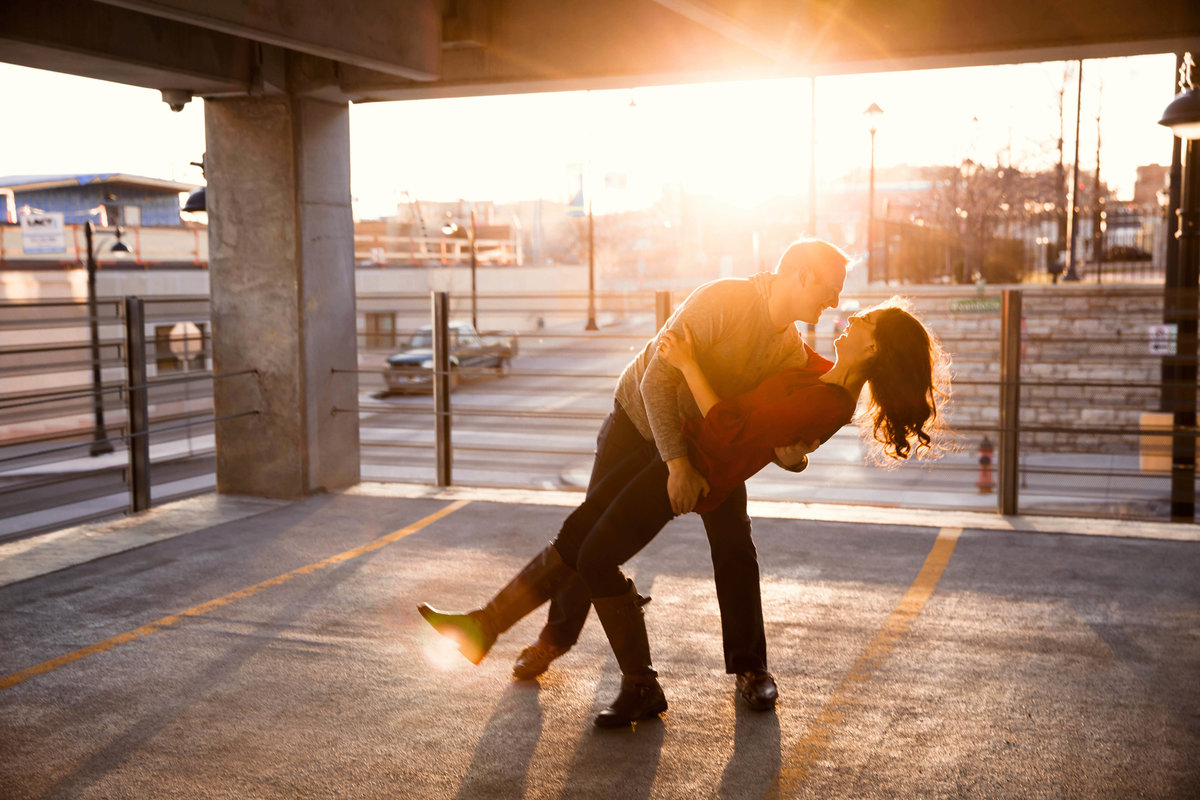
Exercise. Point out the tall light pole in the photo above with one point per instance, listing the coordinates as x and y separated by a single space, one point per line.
591 311
100 443
873 113
449 229
474 264
1182 299
812 180
1072 274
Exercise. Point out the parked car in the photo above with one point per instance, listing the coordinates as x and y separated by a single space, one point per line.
470 354
1125 252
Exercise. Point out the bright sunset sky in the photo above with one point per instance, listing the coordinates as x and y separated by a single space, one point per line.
744 141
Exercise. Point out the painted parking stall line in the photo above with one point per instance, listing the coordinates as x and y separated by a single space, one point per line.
196 611
799 762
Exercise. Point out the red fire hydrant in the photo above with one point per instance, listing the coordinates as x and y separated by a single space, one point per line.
984 482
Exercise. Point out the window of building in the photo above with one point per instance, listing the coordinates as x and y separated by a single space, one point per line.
182 347
131 216
380 331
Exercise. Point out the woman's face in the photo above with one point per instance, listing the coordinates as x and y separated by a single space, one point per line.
857 342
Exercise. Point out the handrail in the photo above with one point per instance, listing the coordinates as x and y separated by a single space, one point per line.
521 423
53 397
136 388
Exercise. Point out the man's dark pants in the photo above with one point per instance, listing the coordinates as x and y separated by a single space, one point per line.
621 455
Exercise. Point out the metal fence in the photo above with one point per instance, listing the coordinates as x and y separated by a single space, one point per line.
1067 401
1058 407
526 420
1026 251
103 410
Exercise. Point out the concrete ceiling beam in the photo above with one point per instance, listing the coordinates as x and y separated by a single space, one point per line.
79 37
832 37
466 24
363 50
397 37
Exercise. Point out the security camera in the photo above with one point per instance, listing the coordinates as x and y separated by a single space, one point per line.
176 99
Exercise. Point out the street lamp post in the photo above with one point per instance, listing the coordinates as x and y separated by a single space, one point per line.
474 264
591 311
1072 274
449 229
100 443
873 113
1182 299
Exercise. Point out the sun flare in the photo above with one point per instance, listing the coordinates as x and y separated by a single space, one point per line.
440 652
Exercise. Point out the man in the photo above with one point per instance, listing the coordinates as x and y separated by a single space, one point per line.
741 338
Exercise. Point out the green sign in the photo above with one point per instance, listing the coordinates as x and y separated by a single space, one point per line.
978 305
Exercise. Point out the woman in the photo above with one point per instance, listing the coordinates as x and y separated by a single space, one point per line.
885 347
736 438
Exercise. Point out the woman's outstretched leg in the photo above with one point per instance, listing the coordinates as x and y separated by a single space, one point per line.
621 453
569 609
476 631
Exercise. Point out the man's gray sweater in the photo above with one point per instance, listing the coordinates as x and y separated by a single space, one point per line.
736 345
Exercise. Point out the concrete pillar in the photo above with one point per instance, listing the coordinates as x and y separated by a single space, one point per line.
281 257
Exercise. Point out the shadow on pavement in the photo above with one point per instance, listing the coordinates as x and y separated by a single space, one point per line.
129 744
500 764
757 754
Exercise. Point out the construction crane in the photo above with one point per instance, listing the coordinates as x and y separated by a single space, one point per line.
421 230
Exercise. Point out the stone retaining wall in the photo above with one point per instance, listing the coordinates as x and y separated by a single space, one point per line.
1086 361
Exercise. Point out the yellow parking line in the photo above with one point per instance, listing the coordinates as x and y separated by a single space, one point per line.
811 748
204 608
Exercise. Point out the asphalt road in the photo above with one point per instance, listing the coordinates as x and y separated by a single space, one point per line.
279 656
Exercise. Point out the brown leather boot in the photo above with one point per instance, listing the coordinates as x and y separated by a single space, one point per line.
476 631
641 696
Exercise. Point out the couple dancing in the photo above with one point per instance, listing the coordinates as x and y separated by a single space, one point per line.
726 387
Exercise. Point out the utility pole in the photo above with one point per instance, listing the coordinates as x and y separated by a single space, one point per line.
1073 205
1060 178
1098 204
812 181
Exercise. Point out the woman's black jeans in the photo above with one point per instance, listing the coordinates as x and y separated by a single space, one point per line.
598 537
626 506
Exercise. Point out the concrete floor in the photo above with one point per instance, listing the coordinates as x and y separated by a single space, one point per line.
274 652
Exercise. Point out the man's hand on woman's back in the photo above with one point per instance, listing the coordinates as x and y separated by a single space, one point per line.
762 283
685 486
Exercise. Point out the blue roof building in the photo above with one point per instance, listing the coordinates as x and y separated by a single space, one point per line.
105 199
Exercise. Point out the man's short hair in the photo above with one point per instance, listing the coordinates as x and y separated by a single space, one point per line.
807 254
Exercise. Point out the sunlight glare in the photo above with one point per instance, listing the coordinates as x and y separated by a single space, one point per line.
742 142
441 652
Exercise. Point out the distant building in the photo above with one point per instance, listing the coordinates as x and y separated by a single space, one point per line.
1151 179
107 199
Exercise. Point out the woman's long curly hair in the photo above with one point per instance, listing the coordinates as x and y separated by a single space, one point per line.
909 384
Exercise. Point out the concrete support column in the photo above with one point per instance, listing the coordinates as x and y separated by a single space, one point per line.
281 256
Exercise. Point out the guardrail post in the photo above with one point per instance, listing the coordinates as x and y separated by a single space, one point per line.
1010 399
137 404
441 386
662 309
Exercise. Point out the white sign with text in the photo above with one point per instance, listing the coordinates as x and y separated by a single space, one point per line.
1162 339
43 233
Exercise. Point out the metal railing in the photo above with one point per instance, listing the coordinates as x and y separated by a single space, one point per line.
1049 416
1067 400
76 429
560 382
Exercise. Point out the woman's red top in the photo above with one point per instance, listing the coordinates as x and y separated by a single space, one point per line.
739 435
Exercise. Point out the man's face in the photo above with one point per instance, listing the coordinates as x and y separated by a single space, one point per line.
815 290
